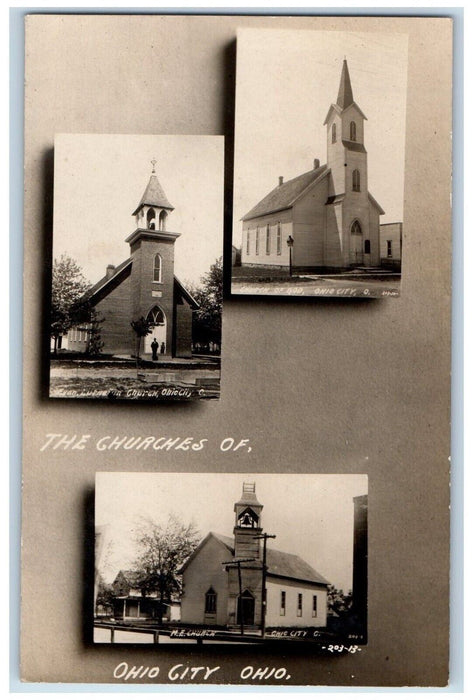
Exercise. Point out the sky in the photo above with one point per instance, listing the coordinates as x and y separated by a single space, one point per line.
311 515
286 82
99 181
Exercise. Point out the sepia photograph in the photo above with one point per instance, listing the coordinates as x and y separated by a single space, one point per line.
319 163
231 559
136 300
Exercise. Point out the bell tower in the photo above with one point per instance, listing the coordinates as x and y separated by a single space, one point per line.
247 523
152 275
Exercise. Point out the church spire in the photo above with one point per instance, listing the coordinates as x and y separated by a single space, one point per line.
154 195
345 94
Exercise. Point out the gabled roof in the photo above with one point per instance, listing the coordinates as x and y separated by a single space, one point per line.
154 196
284 196
280 564
130 577
375 203
105 281
185 293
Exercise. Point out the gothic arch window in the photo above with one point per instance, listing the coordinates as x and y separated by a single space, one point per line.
157 268
356 228
367 246
356 181
268 239
278 239
257 241
163 215
248 241
334 133
352 131
210 602
151 219
156 316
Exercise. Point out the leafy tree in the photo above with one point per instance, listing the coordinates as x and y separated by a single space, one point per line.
163 549
105 596
207 319
142 328
95 342
337 601
68 287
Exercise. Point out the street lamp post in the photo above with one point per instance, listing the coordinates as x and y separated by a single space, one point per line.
238 563
264 536
290 244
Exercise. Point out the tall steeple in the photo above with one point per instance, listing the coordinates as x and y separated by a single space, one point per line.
345 94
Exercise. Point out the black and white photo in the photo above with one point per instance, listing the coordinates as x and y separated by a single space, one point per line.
319 163
136 298
231 558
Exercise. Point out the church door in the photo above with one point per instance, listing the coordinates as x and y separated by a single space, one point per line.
246 609
356 243
367 252
158 319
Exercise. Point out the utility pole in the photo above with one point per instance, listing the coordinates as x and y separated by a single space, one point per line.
238 563
264 536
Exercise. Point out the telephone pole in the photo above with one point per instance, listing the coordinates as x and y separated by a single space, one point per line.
238 563
264 536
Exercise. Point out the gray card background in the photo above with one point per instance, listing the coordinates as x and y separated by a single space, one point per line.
318 385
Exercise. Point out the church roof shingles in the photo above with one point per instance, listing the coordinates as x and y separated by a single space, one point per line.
283 196
281 564
154 196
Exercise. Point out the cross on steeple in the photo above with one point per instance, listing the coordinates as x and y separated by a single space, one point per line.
153 163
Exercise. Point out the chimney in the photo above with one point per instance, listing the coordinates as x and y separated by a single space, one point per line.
109 271
281 179
316 163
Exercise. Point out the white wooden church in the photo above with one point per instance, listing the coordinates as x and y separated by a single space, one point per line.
325 218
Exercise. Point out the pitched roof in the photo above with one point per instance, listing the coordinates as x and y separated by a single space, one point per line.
108 280
281 564
345 93
186 294
131 577
283 196
154 196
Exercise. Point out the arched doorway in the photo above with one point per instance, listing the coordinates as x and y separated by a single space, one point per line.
157 318
246 608
356 243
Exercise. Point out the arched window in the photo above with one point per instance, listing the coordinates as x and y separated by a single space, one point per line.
157 268
163 215
156 316
151 219
367 246
352 131
356 181
268 239
356 228
257 241
334 132
278 239
211 601
248 242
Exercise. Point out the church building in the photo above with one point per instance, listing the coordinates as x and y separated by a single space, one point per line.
324 219
143 285
223 578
